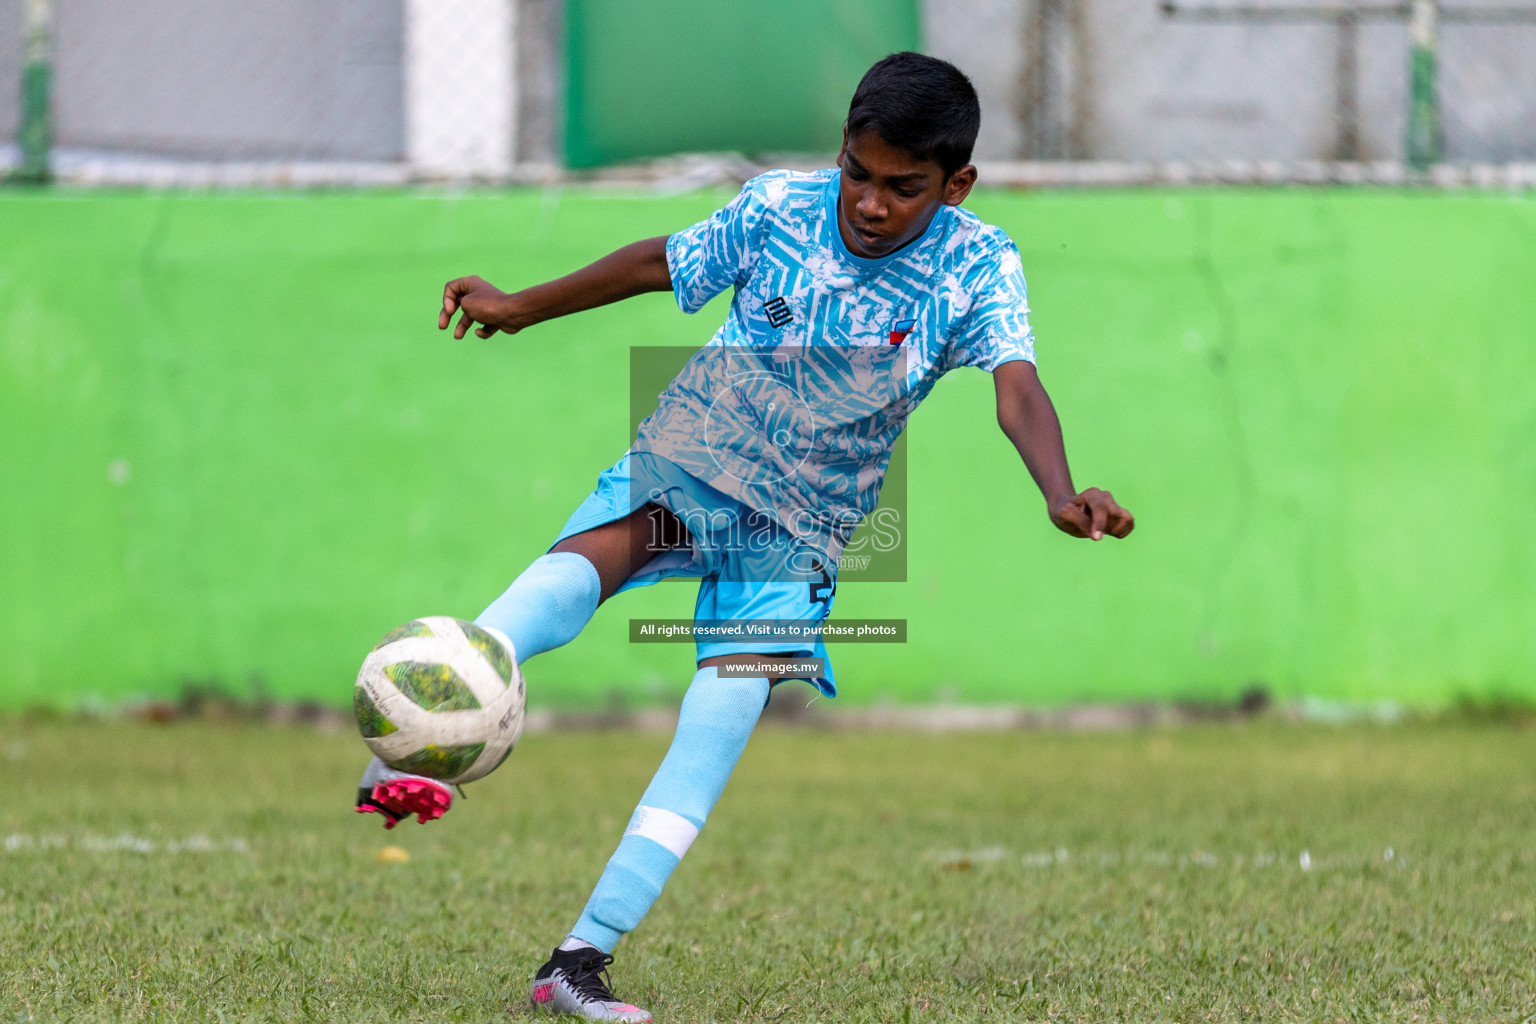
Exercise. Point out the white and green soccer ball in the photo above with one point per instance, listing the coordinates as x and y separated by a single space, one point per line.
441 697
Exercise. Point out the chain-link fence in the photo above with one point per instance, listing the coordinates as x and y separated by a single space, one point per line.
1256 89
1313 79
301 91
12 36
390 90
153 83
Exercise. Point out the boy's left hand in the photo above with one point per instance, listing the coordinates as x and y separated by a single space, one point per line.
1092 514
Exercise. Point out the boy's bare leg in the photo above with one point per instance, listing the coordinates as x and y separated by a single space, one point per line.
617 549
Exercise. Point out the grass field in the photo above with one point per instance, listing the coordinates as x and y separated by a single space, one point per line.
206 872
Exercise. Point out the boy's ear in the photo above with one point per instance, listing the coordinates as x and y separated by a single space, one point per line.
959 185
844 148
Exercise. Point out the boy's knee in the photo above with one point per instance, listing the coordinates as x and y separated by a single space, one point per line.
567 584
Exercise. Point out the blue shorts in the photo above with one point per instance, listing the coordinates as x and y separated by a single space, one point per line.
750 567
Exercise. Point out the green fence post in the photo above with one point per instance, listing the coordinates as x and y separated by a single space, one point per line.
1423 99
36 136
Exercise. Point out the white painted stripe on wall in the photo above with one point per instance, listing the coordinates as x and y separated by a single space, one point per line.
673 831
460 86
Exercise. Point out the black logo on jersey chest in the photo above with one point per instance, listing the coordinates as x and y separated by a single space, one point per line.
778 312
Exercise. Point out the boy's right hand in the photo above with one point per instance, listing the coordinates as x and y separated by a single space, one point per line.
480 302
633 270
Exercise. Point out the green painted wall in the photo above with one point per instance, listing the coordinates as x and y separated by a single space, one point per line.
233 446
657 77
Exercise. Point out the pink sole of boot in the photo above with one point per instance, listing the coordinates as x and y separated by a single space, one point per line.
405 797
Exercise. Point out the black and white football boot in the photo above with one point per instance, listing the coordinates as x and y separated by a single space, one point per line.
397 795
576 982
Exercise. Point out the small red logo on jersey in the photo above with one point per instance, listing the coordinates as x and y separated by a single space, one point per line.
900 331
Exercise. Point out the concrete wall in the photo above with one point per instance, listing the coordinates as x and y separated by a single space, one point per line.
312 79
1165 91
460 86
1181 89
1059 79
1120 80
1488 91
1384 90
540 80
278 79
984 38
10 69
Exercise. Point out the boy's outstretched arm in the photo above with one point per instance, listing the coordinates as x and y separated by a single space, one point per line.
637 268
1025 413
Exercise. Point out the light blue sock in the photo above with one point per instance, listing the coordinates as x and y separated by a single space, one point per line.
717 717
547 605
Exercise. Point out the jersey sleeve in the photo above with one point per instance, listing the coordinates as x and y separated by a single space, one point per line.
996 329
715 254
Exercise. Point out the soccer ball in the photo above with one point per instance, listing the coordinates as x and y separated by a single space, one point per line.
441 697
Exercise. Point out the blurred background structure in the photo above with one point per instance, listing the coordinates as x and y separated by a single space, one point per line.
233 452
388 90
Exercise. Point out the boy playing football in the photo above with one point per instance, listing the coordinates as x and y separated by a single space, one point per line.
856 288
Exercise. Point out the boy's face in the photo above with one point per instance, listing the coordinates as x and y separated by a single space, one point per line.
888 196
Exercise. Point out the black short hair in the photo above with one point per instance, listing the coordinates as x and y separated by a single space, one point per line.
921 104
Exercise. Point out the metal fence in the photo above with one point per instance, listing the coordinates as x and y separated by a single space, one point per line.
1249 80
392 90
301 91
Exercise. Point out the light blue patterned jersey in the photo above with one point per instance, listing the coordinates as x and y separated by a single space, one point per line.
796 402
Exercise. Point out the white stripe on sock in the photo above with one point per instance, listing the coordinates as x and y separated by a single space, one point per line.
659 825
